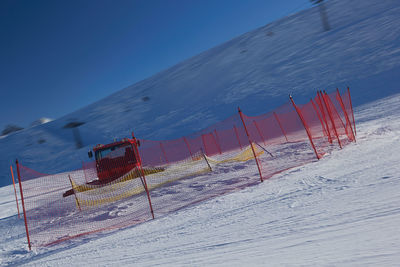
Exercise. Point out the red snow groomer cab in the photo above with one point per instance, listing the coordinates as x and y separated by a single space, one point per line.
112 161
115 159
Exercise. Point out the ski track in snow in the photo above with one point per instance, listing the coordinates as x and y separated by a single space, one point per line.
341 210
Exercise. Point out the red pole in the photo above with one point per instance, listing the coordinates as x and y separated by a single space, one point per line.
216 141
23 205
280 125
337 113
324 117
142 172
330 116
165 155
305 126
237 136
15 190
345 113
319 117
187 144
259 132
251 144
352 112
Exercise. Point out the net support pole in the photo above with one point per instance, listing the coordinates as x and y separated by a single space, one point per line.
23 205
15 190
187 144
339 97
217 141
259 132
352 112
331 118
237 136
205 158
280 126
321 106
334 110
251 144
163 151
319 117
135 144
305 126
263 148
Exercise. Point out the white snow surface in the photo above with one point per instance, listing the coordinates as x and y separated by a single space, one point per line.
342 210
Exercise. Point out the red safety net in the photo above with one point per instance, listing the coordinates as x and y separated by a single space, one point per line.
129 186
52 218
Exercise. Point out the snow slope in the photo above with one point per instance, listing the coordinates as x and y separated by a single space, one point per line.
342 210
255 71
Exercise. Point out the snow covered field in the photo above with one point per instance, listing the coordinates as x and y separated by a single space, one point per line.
342 210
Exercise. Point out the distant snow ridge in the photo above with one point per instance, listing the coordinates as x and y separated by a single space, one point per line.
11 128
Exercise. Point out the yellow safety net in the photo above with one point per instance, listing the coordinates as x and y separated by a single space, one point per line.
132 184
243 156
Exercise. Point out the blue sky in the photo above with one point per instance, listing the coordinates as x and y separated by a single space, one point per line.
59 56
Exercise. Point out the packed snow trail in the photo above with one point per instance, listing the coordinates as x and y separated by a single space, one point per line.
341 210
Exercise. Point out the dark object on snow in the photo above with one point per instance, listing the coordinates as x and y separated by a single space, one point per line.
322 11
10 129
74 126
